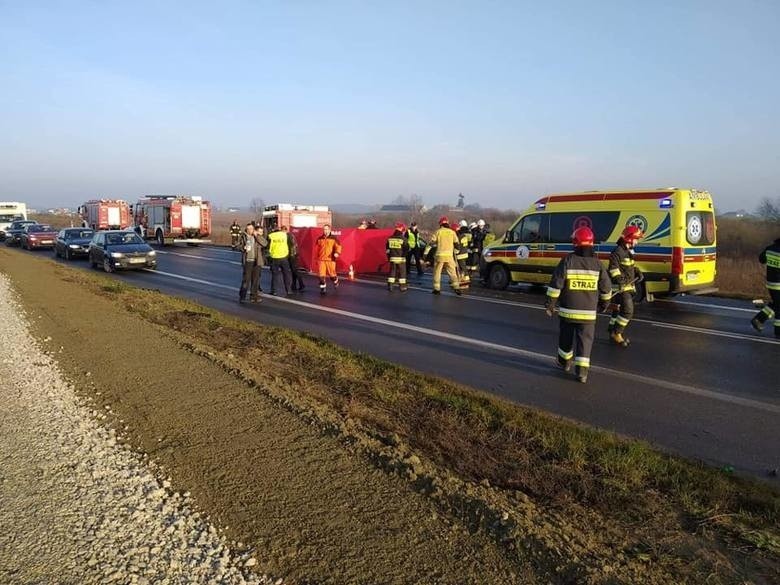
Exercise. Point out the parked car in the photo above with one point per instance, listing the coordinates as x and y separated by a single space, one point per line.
120 249
14 231
37 235
73 242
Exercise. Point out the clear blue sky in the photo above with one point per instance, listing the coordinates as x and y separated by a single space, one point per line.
341 102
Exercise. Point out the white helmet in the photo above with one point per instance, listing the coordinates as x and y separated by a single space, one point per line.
481 223
472 225
463 223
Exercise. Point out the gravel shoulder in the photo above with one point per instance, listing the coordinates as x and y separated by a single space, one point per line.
76 506
300 503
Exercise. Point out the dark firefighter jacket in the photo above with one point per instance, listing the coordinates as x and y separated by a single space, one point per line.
771 257
396 247
464 238
579 283
622 268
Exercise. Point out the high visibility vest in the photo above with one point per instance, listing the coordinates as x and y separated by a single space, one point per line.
278 247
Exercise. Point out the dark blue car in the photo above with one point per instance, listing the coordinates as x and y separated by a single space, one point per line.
73 242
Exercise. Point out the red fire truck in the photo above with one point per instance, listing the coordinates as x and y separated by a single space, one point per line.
171 219
296 216
105 214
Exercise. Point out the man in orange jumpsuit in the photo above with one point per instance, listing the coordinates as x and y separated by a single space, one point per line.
327 249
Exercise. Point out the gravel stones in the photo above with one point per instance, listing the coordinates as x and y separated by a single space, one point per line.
76 506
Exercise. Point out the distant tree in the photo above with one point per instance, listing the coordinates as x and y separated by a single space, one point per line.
256 206
769 210
414 201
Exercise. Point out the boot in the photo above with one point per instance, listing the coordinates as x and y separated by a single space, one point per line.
564 364
582 374
389 286
457 291
436 292
404 288
618 339
757 324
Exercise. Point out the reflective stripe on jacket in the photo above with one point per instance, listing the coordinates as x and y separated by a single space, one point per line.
771 257
622 268
577 284
446 242
327 247
396 248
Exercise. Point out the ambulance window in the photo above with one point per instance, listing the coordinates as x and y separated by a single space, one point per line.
562 225
533 229
700 228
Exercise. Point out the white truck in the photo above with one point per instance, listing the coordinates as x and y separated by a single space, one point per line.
11 211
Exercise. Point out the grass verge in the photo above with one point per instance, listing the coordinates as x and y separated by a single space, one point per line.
585 505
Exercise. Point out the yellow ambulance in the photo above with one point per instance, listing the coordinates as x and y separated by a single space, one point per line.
677 254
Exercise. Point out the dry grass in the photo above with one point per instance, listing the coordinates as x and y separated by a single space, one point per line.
621 486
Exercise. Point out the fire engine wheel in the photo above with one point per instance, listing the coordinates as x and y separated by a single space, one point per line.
107 265
498 277
160 238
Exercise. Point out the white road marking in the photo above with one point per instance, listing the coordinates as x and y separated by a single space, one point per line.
662 324
220 260
706 305
636 378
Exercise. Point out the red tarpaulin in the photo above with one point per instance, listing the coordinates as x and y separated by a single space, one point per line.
363 249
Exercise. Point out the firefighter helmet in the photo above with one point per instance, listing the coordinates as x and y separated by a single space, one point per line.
463 223
443 219
582 236
481 223
400 226
632 233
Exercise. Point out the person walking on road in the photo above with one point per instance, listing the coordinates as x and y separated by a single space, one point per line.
235 235
327 249
396 248
252 263
581 285
771 257
415 250
297 281
445 240
279 252
625 275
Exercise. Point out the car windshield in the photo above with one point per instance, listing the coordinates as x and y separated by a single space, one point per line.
21 224
123 239
78 234
40 228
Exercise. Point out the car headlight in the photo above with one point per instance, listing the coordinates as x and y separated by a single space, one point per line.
117 255
152 253
74 246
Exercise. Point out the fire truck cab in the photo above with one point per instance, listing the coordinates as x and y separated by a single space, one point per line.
105 214
296 216
173 219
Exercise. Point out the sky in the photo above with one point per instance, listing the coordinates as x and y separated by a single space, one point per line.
333 102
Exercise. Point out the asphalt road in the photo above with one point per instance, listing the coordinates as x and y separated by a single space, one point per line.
695 381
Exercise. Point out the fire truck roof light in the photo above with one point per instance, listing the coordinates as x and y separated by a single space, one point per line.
665 203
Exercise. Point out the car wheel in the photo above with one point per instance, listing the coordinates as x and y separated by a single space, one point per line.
498 277
107 265
160 238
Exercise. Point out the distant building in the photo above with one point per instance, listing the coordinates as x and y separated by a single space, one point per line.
397 209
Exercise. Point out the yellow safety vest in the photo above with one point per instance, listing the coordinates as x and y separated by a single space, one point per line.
278 247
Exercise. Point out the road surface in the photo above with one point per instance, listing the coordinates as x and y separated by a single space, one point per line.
695 381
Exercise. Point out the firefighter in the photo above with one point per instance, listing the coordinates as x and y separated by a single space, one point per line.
327 249
445 240
771 257
625 274
473 264
279 252
235 234
415 250
396 249
463 255
580 284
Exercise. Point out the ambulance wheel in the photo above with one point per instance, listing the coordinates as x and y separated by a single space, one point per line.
160 238
498 277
